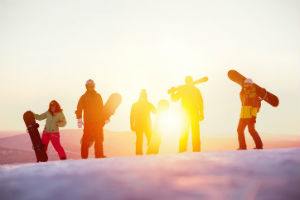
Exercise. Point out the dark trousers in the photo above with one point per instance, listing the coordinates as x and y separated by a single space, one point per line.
92 134
250 123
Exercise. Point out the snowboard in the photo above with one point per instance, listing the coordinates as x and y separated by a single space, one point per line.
33 131
262 92
198 81
111 106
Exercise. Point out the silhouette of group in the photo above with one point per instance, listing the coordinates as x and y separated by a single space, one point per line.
89 116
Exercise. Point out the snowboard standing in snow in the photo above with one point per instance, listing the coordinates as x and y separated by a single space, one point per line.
110 106
261 92
32 127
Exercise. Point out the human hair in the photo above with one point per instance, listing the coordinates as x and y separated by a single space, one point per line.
57 107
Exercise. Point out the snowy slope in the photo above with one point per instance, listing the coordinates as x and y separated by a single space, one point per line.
267 174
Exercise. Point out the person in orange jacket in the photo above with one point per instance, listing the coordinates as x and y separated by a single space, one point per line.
90 105
251 104
140 120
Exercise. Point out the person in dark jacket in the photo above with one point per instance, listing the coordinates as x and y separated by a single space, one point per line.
90 105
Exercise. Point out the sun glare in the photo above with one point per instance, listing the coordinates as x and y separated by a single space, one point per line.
170 122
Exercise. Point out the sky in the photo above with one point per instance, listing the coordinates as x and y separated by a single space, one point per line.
48 49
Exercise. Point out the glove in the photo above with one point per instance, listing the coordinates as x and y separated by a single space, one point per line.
79 123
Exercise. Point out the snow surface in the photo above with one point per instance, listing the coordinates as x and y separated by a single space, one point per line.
267 174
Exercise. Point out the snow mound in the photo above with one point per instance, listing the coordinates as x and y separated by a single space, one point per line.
266 174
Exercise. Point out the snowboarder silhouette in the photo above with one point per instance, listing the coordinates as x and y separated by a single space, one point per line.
192 104
251 103
91 104
154 145
140 120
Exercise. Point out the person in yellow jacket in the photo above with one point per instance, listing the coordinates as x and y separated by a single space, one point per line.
251 103
140 120
90 105
55 118
192 104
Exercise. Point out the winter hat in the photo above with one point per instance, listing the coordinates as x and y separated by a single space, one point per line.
188 80
90 82
248 81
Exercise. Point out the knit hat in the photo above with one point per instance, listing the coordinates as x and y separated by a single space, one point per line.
248 81
90 82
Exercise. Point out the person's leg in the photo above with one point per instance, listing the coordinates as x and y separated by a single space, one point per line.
45 140
196 135
85 142
184 138
153 147
255 135
148 133
55 140
241 133
99 138
139 143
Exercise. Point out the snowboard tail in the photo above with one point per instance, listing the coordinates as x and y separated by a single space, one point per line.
261 92
32 128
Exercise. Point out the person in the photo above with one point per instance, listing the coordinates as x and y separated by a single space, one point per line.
90 105
55 118
192 105
251 104
154 145
140 120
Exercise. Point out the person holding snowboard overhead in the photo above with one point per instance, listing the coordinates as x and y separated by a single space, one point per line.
192 104
251 103
140 120
90 105
55 118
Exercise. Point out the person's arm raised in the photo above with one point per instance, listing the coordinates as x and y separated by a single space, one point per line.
40 116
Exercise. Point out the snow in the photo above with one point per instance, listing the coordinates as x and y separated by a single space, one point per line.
266 174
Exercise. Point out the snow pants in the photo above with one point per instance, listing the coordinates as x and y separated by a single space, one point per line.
193 124
92 134
55 140
140 140
250 123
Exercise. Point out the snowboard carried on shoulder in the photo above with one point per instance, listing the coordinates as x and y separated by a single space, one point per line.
111 106
261 92
174 90
33 131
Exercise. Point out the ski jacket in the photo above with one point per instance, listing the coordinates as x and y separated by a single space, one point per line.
251 103
191 101
140 118
53 122
90 105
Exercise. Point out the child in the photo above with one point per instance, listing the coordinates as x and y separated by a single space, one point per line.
55 118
